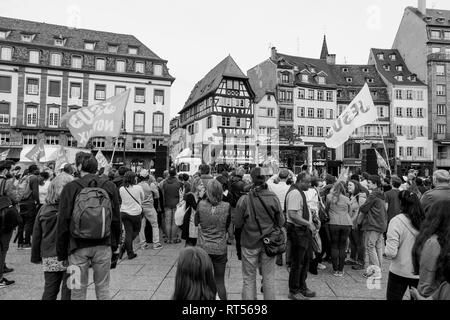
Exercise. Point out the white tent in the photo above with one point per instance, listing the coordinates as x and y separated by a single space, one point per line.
51 153
186 153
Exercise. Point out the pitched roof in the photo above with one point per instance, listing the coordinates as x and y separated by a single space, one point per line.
226 68
390 75
434 17
46 33
358 74
324 52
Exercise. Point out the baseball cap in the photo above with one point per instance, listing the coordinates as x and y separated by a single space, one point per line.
144 173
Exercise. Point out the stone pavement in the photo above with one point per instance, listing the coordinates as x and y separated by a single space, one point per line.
151 276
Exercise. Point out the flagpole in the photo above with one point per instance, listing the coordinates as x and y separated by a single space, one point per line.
114 150
385 150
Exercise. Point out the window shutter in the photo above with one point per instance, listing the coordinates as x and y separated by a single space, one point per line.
5 84
4 108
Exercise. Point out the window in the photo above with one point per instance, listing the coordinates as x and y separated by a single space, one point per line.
369 80
29 139
399 112
285 78
75 90
6 53
409 94
419 95
289 96
209 122
77 62
435 34
139 121
311 94
34 56
113 48
320 131
32 86
138 143
329 95
341 109
4 113
4 34
120 142
409 151
420 131
52 140
367 131
55 59
435 50
27 37
301 93
89 45
53 117
72 142
158 122
320 95
420 151
447 35
139 95
387 67
120 66
5 137
5 84
330 113
399 78
310 113
132 50
320 113
365 70
301 130
270 112
98 142
157 70
409 112
310 131
226 121
238 122
31 116
441 128
54 88
440 90
344 69
305 78
440 70
119 89
400 151
349 80
158 97
441 110
139 67
100 92
300 112
100 64
321 80
380 110
419 112
380 56
399 130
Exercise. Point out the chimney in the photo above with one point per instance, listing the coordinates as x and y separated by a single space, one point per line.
422 6
273 55
331 59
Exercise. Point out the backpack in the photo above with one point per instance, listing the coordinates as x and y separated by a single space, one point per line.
9 216
23 189
92 213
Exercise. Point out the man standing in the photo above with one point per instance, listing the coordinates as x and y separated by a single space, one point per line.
88 251
299 232
171 193
374 224
441 181
392 200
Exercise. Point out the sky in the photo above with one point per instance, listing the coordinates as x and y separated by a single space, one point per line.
196 35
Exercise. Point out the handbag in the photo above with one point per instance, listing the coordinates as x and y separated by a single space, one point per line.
274 242
323 211
142 209
180 212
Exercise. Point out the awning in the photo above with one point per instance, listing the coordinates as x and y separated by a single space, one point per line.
14 153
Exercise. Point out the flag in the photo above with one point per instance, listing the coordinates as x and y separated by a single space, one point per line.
4 155
359 112
61 158
37 152
99 120
102 162
381 162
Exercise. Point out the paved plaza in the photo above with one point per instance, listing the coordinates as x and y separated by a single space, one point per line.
151 276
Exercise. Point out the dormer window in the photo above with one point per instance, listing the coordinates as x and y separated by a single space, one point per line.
366 70
112 48
440 20
349 80
435 34
370 80
285 78
380 56
344 69
413 78
305 78
393 57
428 19
89 45
132 50
27 37
4 34
387 67
399 78
60 42
399 68
321 80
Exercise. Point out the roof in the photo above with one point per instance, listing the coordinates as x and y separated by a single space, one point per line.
434 17
226 68
324 52
358 75
46 33
390 75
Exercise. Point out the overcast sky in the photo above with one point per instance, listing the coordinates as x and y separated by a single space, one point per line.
196 35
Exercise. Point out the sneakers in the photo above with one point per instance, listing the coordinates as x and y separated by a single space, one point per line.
321 266
145 246
157 246
6 283
308 293
7 270
26 247
297 296
132 256
338 273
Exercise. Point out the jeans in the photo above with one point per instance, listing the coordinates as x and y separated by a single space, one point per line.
5 238
374 244
324 234
151 215
53 282
357 249
171 227
28 214
397 285
237 236
301 254
99 258
251 260
339 236
132 225
219 264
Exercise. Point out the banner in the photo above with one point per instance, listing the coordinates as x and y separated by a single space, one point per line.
4 155
61 158
102 162
380 161
100 120
37 152
359 112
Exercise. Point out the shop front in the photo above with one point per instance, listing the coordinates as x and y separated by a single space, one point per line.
354 166
424 168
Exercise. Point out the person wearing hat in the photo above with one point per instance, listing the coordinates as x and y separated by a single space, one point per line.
441 182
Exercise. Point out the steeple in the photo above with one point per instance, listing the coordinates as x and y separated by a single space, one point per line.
324 53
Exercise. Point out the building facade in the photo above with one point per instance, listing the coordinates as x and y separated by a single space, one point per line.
423 40
48 70
218 117
177 136
409 112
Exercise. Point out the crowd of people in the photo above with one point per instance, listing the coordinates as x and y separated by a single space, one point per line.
79 217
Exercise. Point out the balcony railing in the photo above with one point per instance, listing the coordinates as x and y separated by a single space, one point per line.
441 136
439 57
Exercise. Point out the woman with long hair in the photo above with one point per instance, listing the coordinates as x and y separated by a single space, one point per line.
194 279
340 226
132 197
401 235
357 250
43 248
431 246
213 216
189 231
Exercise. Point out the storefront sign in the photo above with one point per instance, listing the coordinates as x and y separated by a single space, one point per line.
319 164
353 163
10 144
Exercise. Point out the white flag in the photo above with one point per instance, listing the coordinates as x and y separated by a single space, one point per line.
359 112
102 162
380 161
4 155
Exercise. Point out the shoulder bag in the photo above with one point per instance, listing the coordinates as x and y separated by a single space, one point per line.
142 209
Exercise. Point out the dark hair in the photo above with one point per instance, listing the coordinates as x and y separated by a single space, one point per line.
419 182
315 182
68 168
122 170
194 279
5 165
354 177
410 206
358 187
446 267
45 175
88 162
365 175
224 182
204 169
437 222
32 169
301 176
101 171
185 177
396 182
375 180
172 171
111 175
129 179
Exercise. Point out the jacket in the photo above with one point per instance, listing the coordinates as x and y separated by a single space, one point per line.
401 236
118 181
355 203
432 196
339 212
237 187
244 217
34 186
65 243
44 233
428 282
374 211
171 188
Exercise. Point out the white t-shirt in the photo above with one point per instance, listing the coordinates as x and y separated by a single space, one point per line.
295 203
312 199
280 190
43 191
129 205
